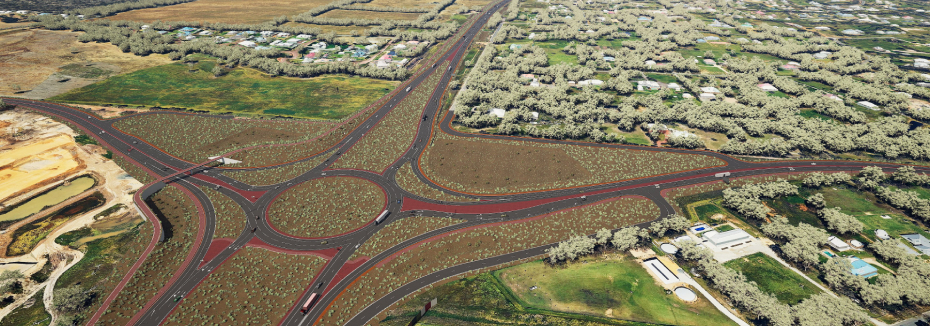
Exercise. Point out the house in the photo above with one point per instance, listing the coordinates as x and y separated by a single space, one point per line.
710 62
711 90
674 86
304 36
609 59
837 244
532 35
647 84
707 97
591 82
400 47
833 97
790 67
822 55
869 105
527 76
920 242
728 239
767 87
534 83
498 112
687 95
711 38
371 47
650 63
822 28
862 268
514 47
644 19
882 234
381 64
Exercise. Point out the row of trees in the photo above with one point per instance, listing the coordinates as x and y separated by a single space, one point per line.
111 9
622 240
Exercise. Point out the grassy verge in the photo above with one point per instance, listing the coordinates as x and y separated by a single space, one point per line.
195 138
401 230
483 242
409 181
230 219
240 90
489 166
321 207
254 287
275 175
179 222
772 277
392 135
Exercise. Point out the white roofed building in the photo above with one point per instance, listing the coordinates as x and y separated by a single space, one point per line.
728 239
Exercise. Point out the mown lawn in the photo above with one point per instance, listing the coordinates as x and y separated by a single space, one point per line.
240 90
772 277
622 288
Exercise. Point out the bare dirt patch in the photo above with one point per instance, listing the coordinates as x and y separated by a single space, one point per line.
30 57
222 11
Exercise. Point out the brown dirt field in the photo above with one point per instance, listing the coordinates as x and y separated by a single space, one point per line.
370 14
29 57
222 11
255 287
341 30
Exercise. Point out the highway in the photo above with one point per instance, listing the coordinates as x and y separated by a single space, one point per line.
256 200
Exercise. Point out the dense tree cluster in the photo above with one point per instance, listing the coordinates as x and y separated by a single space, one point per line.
623 240
820 179
839 221
802 242
747 201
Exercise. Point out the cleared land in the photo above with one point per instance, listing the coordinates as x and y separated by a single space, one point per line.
195 138
318 208
29 57
617 288
483 242
401 230
499 166
35 164
772 277
222 11
254 287
392 135
240 91
179 222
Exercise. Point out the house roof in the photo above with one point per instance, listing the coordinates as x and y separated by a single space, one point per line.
720 238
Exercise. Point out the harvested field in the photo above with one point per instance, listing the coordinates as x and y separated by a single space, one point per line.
486 166
241 91
195 138
30 57
275 175
370 14
179 220
401 230
409 181
318 208
222 11
230 219
254 287
483 242
105 262
391 137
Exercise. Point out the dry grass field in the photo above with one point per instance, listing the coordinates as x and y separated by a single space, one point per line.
222 11
370 15
339 30
29 57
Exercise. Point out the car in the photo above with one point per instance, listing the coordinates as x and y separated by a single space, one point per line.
178 298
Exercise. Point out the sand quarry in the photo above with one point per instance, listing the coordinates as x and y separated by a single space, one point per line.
38 154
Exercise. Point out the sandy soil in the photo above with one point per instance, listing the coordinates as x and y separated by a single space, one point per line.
108 111
32 159
30 57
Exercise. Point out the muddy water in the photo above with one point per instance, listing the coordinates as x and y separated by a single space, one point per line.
50 198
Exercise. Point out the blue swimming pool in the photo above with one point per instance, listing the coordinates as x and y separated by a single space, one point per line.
829 254
699 229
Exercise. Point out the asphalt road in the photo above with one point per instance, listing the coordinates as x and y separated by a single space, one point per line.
255 200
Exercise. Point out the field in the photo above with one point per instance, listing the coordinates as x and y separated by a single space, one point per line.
222 11
105 262
240 91
339 30
35 315
486 241
29 57
501 166
275 175
230 219
409 182
318 208
254 287
179 220
866 208
370 14
619 288
195 138
26 238
390 138
772 277
401 230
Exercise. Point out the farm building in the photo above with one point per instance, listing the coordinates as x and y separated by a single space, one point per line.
728 239
711 90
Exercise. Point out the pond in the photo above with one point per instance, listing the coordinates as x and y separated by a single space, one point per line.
50 198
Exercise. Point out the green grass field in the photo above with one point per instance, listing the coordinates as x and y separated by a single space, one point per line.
240 90
618 288
704 212
774 278
864 207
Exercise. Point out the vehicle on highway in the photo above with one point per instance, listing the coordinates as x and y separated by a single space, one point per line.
309 303
408 89
381 217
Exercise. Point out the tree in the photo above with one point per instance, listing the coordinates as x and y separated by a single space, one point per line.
603 236
871 176
816 201
71 299
675 222
840 222
627 238
825 309
709 54
571 249
217 71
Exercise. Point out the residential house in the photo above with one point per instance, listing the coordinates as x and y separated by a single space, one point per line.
822 55
710 89
767 87
869 105
838 244
609 59
882 234
707 97
648 84
920 242
498 112
710 62
674 86
514 47
711 38
591 82
650 63
248 44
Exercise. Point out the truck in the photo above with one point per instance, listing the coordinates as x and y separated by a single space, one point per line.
309 303
381 217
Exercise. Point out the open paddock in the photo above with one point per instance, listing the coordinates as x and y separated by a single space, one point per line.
222 11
